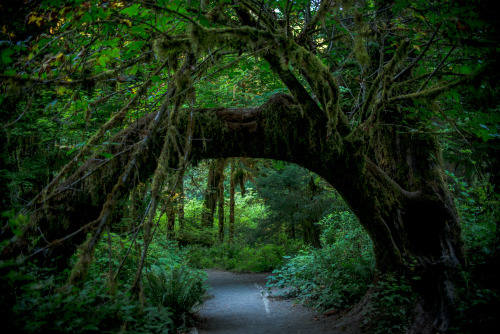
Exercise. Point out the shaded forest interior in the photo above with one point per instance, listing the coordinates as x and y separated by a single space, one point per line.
350 147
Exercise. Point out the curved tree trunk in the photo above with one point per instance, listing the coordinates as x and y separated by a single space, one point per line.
408 211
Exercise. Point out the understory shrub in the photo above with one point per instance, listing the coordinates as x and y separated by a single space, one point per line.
391 305
335 276
240 256
37 301
38 304
479 303
478 308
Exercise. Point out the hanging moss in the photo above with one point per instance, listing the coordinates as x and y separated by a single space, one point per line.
85 256
399 57
360 52
167 47
216 15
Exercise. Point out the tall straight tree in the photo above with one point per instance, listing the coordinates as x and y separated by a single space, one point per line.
231 201
368 85
180 210
220 195
215 174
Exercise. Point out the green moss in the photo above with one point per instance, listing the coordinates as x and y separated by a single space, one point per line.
360 51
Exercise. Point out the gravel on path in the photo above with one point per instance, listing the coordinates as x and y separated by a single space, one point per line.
241 305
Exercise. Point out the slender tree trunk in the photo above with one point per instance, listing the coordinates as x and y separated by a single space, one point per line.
231 203
132 210
311 233
310 229
171 220
221 203
210 195
181 202
215 172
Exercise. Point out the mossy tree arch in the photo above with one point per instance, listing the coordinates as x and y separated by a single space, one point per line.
365 137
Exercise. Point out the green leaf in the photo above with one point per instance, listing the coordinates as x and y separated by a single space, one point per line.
102 61
91 327
132 10
6 56
135 45
107 155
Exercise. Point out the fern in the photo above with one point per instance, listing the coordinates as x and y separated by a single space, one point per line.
179 288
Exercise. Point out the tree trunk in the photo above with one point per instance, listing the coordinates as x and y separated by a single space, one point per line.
171 220
311 233
292 228
210 197
231 203
404 205
310 229
214 175
220 208
181 202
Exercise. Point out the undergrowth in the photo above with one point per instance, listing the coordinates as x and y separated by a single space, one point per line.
334 276
240 257
392 305
178 288
36 299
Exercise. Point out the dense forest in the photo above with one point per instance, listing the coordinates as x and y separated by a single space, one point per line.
352 147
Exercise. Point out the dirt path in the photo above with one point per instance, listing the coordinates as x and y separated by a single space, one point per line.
241 306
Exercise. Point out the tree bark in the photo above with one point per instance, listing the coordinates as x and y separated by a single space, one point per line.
211 194
180 210
231 203
311 233
220 195
407 212
311 230
210 197
171 220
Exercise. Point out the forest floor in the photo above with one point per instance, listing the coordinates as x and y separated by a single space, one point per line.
240 303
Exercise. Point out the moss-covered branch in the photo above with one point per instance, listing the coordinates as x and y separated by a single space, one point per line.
324 8
437 90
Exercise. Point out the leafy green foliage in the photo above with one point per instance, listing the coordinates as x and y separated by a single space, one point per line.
75 64
40 303
391 307
477 200
241 256
477 309
161 253
41 306
478 206
335 276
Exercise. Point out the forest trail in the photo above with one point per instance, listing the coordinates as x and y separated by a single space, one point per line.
240 305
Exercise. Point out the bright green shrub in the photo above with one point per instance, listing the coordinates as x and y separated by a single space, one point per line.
240 256
39 305
338 274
